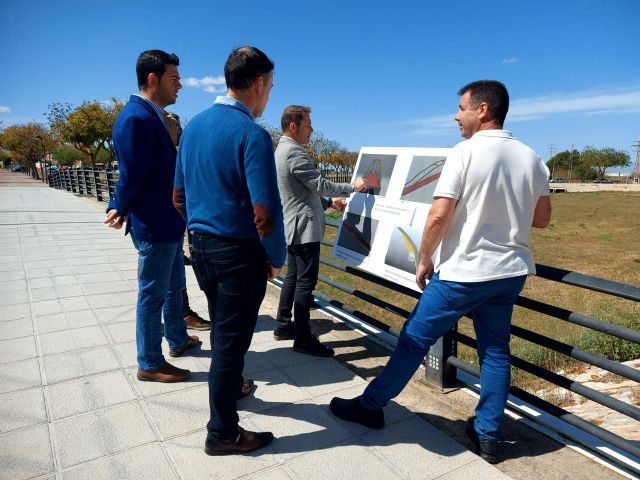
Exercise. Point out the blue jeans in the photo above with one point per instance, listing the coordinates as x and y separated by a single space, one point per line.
233 275
160 283
441 305
303 264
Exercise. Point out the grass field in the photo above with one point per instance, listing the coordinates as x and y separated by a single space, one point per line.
596 233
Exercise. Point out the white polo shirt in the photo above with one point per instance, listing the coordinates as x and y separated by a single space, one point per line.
497 181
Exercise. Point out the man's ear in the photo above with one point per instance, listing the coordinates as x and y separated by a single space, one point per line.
484 113
259 84
152 80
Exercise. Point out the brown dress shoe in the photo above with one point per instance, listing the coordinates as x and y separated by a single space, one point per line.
167 373
191 342
195 321
242 442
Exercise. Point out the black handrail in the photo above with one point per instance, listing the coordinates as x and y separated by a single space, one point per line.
100 183
567 277
557 412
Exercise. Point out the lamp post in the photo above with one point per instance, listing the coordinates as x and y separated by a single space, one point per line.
43 163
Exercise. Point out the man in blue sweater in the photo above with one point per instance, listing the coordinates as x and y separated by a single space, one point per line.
226 188
143 196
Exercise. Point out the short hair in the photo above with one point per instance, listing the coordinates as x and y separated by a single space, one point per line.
244 65
492 92
295 114
153 61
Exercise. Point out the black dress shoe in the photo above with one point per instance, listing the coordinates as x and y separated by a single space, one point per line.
242 442
312 346
353 411
284 333
487 449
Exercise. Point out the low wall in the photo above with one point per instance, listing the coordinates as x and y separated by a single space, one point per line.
597 187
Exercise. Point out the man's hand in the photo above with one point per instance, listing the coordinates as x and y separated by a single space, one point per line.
359 185
114 219
339 204
424 272
272 272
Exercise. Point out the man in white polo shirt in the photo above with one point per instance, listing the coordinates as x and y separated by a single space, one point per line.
492 190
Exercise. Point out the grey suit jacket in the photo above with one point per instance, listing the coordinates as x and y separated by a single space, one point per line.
302 189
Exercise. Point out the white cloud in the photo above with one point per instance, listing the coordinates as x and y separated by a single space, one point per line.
586 103
604 100
208 84
4 109
508 61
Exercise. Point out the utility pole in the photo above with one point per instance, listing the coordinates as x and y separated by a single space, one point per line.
636 170
570 163
552 150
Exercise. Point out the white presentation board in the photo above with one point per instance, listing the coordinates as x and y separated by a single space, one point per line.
381 230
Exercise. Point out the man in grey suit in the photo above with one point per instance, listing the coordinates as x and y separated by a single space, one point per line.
305 195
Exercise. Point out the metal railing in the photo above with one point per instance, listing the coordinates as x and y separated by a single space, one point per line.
442 361
85 181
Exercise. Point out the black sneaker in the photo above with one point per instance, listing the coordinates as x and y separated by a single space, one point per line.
284 333
487 449
312 346
353 411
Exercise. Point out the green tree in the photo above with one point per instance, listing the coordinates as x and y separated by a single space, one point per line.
67 156
4 157
87 127
584 172
560 164
602 158
27 144
104 158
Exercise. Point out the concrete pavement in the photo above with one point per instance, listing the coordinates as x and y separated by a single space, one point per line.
71 406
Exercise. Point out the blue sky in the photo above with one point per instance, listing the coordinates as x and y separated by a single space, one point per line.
375 73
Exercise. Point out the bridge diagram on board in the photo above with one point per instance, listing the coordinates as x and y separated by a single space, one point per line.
381 229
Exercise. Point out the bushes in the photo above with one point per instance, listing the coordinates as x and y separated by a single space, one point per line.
611 347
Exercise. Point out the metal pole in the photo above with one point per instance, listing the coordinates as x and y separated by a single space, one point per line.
571 163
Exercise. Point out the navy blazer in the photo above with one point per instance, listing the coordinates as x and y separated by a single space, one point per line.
147 163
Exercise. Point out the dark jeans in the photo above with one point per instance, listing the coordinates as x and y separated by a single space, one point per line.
233 275
303 263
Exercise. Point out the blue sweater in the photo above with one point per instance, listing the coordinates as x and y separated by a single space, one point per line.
147 161
225 181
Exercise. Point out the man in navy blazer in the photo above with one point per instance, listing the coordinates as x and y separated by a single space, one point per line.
143 197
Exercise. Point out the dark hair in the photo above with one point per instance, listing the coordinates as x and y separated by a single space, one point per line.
295 114
244 65
492 92
153 61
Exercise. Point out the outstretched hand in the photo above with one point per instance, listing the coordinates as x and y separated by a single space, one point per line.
360 185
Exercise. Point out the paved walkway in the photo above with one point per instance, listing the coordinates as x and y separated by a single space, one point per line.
70 404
